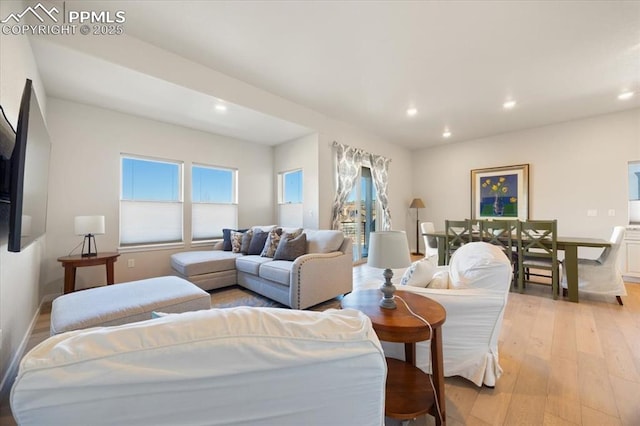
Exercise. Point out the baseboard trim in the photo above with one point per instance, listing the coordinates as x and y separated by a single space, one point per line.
12 370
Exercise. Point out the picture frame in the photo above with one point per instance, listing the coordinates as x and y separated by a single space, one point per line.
500 193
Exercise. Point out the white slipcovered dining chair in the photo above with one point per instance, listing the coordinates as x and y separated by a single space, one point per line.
602 275
430 242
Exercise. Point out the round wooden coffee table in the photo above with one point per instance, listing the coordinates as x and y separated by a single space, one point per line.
408 391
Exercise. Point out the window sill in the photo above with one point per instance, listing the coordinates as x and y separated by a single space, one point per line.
207 243
151 247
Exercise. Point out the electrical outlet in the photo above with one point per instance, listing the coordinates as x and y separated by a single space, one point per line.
612 212
131 263
592 212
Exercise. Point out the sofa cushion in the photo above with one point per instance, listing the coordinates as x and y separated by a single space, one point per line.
323 240
251 264
291 248
277 270
190 263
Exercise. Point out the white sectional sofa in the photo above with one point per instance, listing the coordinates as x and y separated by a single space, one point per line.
238 366
322 273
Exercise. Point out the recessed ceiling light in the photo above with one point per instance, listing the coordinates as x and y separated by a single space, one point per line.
411 112
446 134
221 108
624 96
509 104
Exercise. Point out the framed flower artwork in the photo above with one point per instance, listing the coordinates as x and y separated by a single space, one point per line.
500 192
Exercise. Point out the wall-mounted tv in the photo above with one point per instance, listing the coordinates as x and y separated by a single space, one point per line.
29 174
7 141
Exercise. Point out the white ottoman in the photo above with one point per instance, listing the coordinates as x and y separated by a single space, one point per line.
126 302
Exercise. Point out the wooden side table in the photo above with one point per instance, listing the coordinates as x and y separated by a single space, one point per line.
408 391
71 263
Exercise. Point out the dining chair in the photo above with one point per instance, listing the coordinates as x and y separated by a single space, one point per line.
430 242
538 252
502 233
457 234
602 275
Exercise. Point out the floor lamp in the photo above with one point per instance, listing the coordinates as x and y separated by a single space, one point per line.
417 204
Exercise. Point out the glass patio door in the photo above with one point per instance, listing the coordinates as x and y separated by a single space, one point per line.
359 215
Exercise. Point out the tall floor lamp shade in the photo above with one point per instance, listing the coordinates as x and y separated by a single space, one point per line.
388 250
89 226
417 204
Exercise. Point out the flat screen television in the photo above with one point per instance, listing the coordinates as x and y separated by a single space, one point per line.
29 174
7 141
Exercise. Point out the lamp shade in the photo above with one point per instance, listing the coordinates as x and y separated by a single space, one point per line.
85 225
417 204
388 250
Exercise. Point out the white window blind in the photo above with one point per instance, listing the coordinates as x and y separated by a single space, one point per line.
208 220
149 222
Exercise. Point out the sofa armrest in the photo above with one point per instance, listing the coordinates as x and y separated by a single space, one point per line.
317 277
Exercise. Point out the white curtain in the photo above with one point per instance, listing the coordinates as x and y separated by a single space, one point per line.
380 174
348 163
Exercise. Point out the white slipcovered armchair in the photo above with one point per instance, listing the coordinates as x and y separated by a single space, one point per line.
602 275
473 289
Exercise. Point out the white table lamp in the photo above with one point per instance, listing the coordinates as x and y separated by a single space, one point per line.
388 250
89 226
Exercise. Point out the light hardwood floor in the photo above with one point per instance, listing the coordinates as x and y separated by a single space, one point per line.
564 363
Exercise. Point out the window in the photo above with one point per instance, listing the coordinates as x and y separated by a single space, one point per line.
214 201
290 183
150 201
290 212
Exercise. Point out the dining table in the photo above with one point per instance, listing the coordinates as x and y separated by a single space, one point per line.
569 245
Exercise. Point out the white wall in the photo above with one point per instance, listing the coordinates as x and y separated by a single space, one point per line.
574 166
85 180
19 272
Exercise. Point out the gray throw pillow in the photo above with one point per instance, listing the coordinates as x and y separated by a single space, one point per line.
257 242
291 248
246 241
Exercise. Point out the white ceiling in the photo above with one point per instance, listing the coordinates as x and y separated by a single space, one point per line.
366 62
